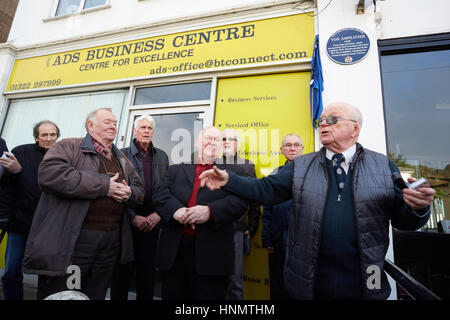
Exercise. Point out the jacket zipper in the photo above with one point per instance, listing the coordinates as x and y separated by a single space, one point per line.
352 166
316 263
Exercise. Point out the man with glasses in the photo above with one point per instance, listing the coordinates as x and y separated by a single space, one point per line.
196 251
343 198
243 233
275 222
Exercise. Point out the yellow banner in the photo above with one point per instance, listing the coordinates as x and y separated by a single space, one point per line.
268 41
263 109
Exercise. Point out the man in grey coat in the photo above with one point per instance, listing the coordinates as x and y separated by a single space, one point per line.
80 227
343 198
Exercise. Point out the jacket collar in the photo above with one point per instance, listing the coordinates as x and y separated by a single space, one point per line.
40 149
359 151
134 149
88 146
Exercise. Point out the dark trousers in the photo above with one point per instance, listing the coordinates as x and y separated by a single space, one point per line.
145 244
95 253
182 282
276 267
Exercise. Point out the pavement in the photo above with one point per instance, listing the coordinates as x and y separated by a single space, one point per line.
30 288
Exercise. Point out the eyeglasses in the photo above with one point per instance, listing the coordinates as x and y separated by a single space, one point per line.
229 139
295 145
210 138
331 120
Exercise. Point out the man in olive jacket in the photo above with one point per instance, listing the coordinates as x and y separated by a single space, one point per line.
87 185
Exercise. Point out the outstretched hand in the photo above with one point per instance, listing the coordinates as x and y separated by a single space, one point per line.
420 198
214 178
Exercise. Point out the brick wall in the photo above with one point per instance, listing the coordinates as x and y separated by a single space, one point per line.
7 11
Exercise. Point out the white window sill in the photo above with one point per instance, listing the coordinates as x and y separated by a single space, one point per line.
93 9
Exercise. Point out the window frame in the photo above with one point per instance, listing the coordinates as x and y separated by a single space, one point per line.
80 10
395 46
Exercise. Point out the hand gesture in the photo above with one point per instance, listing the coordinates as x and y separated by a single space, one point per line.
179 215
419 198
214 178
139 222
127 191
152 220
10 163
197 214
118 191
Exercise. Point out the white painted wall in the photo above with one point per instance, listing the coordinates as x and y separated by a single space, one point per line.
405 18
7 57
29 28
360 83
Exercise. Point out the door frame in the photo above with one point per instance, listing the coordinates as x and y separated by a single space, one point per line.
205 113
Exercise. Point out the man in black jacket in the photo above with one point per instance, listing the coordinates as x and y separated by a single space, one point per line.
151 164
196 251
19 198
243 232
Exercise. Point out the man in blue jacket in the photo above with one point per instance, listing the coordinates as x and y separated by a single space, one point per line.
275 221
343 198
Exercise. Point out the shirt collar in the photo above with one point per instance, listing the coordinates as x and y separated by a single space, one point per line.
141 150
99 147
348 154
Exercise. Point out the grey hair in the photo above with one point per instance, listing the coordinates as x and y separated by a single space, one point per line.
289 135
234 133
92 116
145 117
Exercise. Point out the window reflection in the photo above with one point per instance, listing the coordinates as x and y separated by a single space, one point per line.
417 109
173 93
67 7
93 3
175 134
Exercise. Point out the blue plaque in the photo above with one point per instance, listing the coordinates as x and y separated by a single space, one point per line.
348 46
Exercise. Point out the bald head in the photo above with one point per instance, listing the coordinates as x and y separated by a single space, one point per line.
350 111
209 144
342 134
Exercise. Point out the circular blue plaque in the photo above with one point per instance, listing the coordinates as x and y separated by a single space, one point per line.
348 46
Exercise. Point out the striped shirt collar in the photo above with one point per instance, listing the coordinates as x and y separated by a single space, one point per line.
99 147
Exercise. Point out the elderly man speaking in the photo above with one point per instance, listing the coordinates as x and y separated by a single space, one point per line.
343 197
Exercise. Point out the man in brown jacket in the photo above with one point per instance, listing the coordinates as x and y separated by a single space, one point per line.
79 227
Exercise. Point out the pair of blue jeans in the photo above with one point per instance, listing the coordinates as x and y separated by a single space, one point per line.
12 280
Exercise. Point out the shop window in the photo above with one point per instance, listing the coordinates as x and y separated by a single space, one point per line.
68 112
67 7
416 74
173 93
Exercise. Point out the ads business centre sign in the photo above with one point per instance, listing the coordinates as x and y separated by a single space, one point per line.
262 42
